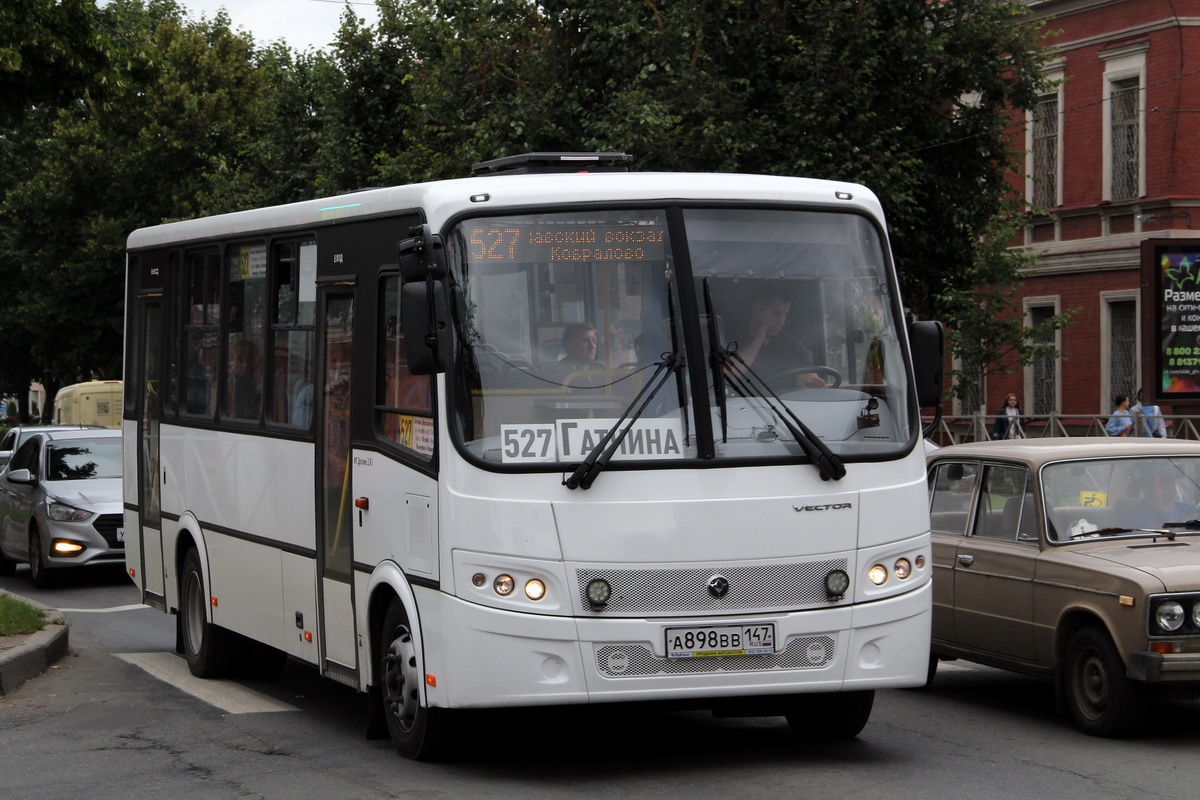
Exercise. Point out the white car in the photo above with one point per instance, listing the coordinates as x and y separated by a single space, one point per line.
60 503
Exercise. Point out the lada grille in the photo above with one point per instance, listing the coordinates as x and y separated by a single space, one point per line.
106 525
635 660
760 587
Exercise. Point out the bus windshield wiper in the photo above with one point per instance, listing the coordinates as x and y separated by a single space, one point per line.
716 362
745 382
599 457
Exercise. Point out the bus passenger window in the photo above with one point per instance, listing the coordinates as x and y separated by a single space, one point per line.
293 334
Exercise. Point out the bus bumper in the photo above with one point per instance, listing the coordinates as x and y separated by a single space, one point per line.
500 658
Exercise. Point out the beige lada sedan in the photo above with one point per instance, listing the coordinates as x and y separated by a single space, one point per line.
1075 560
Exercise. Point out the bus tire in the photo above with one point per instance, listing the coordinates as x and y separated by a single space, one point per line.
206 647
832 716
1101 699
417 731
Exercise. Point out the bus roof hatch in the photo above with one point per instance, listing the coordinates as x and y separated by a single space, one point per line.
531 163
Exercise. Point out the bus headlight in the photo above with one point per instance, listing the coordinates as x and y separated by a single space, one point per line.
504 585
878 574
535 589
902 568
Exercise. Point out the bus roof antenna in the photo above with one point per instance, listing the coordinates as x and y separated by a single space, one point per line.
538 163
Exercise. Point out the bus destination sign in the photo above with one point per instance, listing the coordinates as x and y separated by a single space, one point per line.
556 244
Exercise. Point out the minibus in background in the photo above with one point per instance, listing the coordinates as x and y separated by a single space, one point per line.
523 439
89 403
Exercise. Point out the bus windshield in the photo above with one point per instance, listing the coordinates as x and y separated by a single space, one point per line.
761 317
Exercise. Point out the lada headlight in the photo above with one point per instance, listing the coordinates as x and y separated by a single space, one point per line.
1169 616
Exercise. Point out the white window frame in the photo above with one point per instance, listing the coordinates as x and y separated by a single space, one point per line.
1055 73
1106 301
1122 63
1054 302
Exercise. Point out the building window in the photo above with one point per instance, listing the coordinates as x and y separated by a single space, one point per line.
1045 152
1041 376
1126 138
1119 331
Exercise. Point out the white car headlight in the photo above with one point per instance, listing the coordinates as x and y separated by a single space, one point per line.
61 512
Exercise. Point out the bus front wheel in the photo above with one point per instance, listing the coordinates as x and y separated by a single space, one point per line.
417 731
829 716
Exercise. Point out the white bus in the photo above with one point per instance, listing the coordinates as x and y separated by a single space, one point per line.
559 433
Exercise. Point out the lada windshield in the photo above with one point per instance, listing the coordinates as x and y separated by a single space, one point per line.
750 318
1128 496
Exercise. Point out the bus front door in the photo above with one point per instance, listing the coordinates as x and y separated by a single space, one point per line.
335 554
149 558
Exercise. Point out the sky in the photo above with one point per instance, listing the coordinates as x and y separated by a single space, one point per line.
304 24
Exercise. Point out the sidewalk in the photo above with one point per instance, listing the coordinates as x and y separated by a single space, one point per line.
25 657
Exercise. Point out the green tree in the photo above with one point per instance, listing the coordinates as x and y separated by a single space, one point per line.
914 100
178 113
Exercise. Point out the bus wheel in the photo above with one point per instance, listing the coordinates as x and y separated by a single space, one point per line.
417 731
1102 701
206 646
829 716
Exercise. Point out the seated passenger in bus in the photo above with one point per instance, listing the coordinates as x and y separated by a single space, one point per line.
579 344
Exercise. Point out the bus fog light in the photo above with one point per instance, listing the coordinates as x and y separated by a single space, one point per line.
1169 615
598 592
878 574
836 583
504 585
535 589
902 568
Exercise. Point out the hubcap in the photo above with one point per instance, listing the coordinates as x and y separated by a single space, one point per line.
1092 684
194 610
400 679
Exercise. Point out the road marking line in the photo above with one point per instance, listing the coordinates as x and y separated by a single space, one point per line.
228 696
133 607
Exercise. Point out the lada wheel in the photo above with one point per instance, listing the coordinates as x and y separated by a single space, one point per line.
418 732
1102 701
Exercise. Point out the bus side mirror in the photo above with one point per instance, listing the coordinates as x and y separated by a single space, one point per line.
424 313
925 338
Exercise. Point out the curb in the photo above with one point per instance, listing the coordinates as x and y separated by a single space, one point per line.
37 653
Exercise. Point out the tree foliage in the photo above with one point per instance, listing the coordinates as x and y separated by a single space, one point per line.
186 118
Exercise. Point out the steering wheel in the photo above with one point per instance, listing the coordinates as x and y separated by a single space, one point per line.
830 375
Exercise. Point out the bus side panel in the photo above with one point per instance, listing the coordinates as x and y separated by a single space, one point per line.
300 607
246 584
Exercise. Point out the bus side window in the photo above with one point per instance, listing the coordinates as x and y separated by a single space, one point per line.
293 332
404 402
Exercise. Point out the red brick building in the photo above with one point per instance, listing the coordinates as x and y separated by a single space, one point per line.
1113 159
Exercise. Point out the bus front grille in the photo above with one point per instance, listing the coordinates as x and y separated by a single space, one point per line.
636 660
761 587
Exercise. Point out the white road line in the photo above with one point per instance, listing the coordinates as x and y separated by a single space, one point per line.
133 607
233 698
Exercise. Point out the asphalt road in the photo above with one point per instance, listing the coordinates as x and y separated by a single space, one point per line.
101 727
